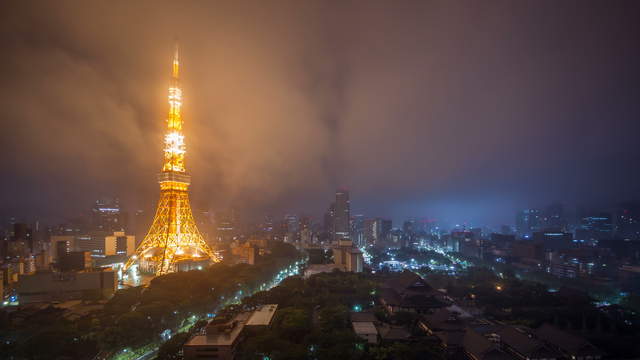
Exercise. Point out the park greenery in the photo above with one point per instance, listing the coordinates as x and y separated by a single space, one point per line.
312 321
509 299
135 317
603 292
599 292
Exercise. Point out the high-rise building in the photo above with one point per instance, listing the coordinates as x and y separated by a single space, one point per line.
61 245
376 231
173 237
293 228
554 240
554 217
305 234
342 217
371 231
357 230
329 221
268 224
347 256
23 232
409 227
594 227
97 244
528 221
225 225
119 243
93 243
628 221
106 215
304 223
4 243
460 240
410 232
20 243
396 239
385 228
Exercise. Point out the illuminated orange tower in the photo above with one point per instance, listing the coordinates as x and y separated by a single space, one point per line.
173 236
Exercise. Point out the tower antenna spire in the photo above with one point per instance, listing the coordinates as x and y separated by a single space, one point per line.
176 62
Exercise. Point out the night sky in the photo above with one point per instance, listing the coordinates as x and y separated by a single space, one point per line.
464 110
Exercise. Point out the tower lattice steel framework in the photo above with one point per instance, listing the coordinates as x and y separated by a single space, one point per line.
173 236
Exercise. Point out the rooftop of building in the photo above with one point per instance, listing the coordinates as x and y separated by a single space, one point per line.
572 344
263 315
362 317
322 268
524 343
480 347
444 319
364 328
221 334
394 333
407 281
451 339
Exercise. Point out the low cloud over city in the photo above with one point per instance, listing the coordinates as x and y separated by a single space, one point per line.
418 107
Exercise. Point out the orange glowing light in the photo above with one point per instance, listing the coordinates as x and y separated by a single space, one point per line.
173 234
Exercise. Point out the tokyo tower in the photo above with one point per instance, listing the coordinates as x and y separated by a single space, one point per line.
173 237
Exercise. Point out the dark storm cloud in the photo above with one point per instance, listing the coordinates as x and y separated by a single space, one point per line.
468 109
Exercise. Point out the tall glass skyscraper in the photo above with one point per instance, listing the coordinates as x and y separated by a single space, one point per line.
342 215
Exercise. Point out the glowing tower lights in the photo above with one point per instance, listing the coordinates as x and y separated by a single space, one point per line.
173 236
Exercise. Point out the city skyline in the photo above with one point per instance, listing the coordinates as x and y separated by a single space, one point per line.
354 180
451 218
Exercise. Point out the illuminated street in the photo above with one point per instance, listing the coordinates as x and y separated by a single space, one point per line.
149 350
